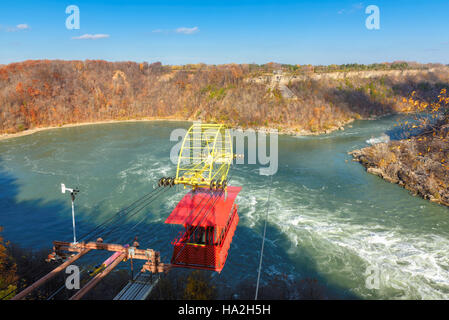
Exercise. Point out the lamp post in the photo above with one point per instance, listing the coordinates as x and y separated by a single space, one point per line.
73 192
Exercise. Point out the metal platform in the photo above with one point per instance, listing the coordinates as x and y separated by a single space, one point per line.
138 289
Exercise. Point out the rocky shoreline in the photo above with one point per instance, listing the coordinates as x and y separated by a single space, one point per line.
403 162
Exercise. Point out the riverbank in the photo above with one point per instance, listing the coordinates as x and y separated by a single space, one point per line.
418 164
27 132
285 131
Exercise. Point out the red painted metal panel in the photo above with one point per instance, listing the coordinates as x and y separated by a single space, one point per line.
204 208
208 257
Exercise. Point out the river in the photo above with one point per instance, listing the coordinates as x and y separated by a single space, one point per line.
328 218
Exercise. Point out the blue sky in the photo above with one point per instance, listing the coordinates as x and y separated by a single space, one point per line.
215 32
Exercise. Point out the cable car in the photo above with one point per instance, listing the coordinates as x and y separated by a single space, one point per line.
208 212
209 219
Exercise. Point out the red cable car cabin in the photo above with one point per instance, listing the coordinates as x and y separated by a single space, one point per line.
210 219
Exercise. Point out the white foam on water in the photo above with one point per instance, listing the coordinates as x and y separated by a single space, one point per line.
411 265
248 204
383 138
145 169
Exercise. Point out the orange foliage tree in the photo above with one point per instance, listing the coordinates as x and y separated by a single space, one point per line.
8 276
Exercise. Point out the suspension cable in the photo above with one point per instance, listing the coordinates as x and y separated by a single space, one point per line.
54 293
120 213
263 238
136 212
116 224
30 273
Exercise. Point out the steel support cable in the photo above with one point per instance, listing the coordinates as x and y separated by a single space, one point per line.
136 212
139 209
118 221
135 225
116 215
139 222
28 273
263 239
54 293
7 294
120 213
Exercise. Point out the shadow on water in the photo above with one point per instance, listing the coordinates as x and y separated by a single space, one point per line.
22 219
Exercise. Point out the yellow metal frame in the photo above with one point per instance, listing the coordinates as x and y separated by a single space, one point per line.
206 154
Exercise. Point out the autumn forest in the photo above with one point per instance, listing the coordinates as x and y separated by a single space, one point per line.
42 93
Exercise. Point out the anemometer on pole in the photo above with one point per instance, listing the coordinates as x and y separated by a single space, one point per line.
73 192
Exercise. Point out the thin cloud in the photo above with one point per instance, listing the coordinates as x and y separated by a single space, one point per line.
181 30
432 50
91 36
185 30
354 8
19 27
23 26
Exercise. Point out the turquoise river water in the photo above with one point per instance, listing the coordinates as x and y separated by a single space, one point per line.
328 218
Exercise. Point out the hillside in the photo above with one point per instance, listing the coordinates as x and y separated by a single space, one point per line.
53 93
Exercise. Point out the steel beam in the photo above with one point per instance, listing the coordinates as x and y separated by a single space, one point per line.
92 283
131 252
50 275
